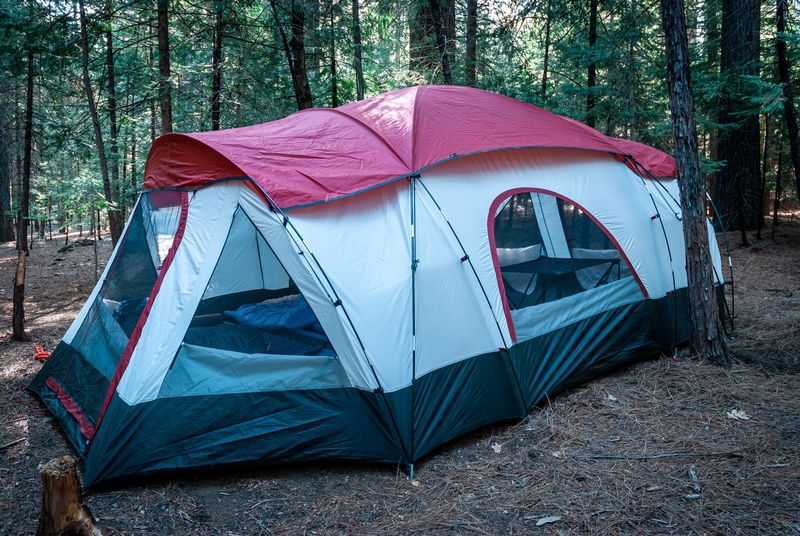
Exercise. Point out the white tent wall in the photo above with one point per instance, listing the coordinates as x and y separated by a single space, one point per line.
603 186
363 244
366 259
453 318
366 253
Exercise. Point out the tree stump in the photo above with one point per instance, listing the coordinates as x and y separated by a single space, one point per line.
63 512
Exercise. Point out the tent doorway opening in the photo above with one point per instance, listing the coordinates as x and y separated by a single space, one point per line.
253 330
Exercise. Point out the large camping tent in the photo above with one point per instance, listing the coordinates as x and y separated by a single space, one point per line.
367 282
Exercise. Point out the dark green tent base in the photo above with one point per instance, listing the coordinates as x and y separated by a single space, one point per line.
169 434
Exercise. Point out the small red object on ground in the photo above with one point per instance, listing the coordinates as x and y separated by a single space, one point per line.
41 354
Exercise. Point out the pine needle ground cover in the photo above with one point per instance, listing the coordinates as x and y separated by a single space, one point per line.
660 447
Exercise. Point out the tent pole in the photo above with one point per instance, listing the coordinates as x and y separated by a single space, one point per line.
414 263
669 252
466 259
337 302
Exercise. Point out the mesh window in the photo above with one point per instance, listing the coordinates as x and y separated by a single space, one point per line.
102 337
549 249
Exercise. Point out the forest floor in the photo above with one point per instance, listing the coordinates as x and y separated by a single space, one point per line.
613 456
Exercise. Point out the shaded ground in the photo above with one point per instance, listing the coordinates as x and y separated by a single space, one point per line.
610 457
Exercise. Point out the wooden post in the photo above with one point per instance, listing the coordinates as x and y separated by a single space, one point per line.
63 511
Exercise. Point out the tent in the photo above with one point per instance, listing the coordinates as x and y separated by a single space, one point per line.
367 283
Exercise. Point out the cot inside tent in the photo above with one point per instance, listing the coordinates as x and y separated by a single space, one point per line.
367 283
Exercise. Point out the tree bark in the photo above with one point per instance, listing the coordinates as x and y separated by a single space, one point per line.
114 215
334 79
738 182
63 511
472 43
778 186
216 64
546 49
425 51
18 300
6 217
591 82
763 191
294 49
164 82
786 85
98 133
441 41
707 335
358 64
298 46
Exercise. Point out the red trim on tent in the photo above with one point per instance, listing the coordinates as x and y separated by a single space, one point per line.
86 428
322 154
137 331
493 214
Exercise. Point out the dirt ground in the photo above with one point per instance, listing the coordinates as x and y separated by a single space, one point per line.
616 455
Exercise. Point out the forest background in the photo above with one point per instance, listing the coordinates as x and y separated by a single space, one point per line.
88 85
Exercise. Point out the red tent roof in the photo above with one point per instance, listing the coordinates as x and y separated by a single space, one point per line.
322 154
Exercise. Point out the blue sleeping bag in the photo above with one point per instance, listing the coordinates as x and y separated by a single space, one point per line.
289 314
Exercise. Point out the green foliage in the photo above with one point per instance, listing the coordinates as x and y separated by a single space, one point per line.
631 97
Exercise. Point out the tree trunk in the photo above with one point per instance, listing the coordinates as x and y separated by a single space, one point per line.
421 45
777 202
133 159
786 84
216 62
472 43
738 183
425 51
591 83
6 217
63 511
546 49
763 177
334 81
164 82
153 121
294 50
707 335
441 41
18 300
297 44
98 133
114 215
358 64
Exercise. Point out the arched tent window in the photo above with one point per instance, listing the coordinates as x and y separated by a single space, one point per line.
555 263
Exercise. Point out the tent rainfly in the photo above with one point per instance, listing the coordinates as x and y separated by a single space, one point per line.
367 283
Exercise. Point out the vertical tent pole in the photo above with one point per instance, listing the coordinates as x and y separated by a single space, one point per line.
669 252
465 258
337 302
414 263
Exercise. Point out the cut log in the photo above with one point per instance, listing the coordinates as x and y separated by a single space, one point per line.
63 512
